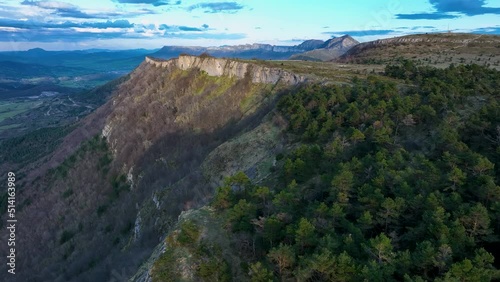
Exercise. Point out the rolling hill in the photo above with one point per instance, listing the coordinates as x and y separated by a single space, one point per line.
430 49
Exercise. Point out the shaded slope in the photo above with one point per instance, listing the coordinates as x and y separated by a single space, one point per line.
159 126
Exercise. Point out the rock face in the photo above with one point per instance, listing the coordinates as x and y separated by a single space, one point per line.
219 67
188 93
343 43
329 50
311 44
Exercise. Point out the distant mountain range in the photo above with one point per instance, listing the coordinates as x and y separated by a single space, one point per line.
94 59
28 73
84 69
316 50
122 61
22 71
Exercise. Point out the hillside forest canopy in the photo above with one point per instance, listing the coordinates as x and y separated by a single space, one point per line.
392 178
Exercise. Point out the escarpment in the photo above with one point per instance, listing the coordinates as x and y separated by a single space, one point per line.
226 67
150 138
189 93
168 118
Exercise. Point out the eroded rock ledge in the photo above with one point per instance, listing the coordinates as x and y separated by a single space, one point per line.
231 68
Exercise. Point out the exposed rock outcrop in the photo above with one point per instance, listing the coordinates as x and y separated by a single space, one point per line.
185 102
231 68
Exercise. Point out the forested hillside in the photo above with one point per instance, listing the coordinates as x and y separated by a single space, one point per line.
388 179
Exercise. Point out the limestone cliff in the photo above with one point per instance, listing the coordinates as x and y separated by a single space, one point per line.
185 93
231 68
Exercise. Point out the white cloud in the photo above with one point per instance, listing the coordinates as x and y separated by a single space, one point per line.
56 5
100 30
11 29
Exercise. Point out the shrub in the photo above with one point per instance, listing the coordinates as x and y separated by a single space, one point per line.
66 236
67 193
164 268
189 233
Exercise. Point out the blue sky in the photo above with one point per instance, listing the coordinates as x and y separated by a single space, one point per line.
129 24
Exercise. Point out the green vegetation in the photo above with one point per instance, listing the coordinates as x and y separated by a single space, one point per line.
119 184
380 182
33 145
9 109
66 236
214 85
98 96
212 266
24 115
163 268
98 147
96 144
189 234
67 193
10 126
206 257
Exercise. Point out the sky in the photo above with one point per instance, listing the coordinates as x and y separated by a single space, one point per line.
151 24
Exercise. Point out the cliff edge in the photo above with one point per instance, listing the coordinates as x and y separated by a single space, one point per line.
231 68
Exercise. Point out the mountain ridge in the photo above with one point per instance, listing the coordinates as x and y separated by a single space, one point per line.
331 49
438 49
232 68
245 51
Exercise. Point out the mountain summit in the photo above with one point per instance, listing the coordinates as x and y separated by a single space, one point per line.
345 42
311 44
36 50
330 50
